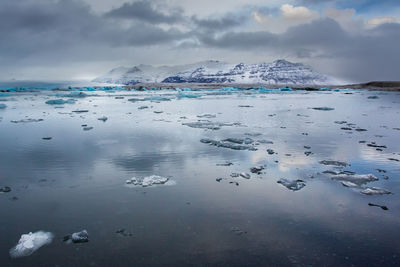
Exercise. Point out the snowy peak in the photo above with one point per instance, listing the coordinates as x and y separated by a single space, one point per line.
279 72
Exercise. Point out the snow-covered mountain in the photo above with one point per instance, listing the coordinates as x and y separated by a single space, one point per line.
277 72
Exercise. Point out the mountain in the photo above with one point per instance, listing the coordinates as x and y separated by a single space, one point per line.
277 72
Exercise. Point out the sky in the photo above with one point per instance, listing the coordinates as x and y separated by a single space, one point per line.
356 41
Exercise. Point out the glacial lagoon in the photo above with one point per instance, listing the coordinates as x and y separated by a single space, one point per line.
200 177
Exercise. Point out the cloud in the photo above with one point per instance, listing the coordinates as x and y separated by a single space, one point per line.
288 16
57 38
299 13
374 22
369 55
225 22
148 12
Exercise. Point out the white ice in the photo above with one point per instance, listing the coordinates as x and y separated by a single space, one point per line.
29 243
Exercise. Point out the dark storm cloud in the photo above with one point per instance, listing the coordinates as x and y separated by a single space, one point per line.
146 11
42 33
33 28
225 22
370 55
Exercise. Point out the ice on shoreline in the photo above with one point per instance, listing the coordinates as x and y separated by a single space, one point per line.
29 243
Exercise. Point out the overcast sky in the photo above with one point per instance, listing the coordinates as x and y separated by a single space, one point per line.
354 40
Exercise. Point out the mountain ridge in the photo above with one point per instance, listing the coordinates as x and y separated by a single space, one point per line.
213 71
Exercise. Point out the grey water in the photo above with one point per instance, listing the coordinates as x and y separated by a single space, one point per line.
76 179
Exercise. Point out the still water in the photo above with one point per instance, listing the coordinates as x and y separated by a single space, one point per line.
77 179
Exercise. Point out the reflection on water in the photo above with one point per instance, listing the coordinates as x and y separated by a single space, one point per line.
76 180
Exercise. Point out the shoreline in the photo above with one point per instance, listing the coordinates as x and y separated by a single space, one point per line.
372 86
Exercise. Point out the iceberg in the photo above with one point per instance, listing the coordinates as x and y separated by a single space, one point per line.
29 243
60 101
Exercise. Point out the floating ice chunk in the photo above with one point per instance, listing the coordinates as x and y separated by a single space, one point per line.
323 108
143 107
104 119
188 95
349 184
207 116
245 175
375 191
5 189
87 128
209 124
156 98
334 163
26 120
78 237
29 243
239 140
80 111
227 144
293 185
3 106
75 94
60 101
376 205
150 181
257 169
357 179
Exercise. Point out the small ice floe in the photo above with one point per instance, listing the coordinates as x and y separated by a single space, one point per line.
5 189
150 181
323 108
225 164
373 144
26 120
143 107
209 124
229 143
47 138
376 205
263 141
78 237
293 185
257 170
375 191
270 151
334 163
29 243
357 179
207 116
60 101
373 97
245 175
123 232
87 128
75 94
3 106
237 231
80 111
104 119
